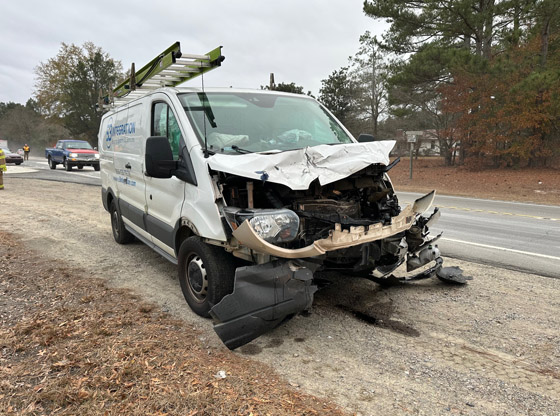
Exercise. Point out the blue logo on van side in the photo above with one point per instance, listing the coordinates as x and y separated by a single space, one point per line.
119 130
109 133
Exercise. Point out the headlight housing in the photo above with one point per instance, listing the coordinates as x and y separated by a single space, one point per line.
97 155
272 225
73 155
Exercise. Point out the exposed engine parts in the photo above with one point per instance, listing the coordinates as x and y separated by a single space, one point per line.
354 226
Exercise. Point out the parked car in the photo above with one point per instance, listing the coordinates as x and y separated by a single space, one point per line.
12 157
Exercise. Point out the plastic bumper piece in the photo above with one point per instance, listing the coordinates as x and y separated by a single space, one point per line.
264 296
338 237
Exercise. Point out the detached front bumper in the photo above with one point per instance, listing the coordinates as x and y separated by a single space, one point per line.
264 296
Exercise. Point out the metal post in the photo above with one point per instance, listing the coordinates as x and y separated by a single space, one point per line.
411 150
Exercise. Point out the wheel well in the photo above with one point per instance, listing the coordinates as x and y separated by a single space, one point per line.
109 197
182 234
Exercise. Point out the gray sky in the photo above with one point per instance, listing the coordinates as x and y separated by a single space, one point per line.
300 41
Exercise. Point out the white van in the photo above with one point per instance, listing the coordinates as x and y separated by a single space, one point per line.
251 193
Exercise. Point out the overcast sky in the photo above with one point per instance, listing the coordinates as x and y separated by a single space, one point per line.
300 41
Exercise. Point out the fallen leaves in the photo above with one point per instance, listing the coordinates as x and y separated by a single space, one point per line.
514 185
74 346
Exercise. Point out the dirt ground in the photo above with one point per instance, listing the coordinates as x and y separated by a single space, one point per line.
540 185
72 345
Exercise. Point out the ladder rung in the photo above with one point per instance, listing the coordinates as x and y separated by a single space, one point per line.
182 64
150 86
191 56
184 68
175 72
166 78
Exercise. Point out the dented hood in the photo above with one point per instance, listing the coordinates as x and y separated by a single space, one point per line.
298 168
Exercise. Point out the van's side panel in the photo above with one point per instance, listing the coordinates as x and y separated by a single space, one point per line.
164 197
199 207
126 135
153 207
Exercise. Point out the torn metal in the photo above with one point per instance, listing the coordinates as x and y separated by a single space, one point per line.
329 206
296 169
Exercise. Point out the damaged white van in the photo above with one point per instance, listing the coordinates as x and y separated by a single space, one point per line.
251 193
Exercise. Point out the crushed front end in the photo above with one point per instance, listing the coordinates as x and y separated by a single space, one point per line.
353 225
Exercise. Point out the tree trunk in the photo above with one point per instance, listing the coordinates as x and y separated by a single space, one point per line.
544 41
488 28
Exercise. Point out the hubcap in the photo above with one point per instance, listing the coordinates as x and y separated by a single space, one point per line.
197 278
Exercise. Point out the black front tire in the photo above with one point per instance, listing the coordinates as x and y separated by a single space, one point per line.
96 168
52 164
206 274
67 165
120 234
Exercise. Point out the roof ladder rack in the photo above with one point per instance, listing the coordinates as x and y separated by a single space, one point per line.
168 69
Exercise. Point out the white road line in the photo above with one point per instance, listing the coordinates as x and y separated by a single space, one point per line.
86 175
499 201
19 169
510 250
487 211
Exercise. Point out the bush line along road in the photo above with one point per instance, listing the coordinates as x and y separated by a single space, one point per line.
490 347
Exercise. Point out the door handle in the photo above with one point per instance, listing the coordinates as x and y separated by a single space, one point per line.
127 166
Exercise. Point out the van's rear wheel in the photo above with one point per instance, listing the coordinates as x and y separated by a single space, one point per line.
206 274
120 234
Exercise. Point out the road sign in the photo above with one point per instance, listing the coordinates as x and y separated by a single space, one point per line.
411 135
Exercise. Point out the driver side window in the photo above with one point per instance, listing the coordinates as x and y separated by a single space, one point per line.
164 123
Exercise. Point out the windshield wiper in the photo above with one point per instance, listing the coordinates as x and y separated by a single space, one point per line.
235 148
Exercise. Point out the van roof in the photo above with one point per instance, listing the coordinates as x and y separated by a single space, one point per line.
177 90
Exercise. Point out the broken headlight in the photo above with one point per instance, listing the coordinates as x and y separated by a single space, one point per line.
272 225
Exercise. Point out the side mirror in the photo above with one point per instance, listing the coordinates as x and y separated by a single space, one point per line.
159 158
363 138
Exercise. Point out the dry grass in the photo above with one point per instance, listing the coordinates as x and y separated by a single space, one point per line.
537 185
72 346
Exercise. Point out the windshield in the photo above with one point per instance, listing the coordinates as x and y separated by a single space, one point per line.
77 145
257 122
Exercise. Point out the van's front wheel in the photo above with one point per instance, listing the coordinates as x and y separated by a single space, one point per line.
206 274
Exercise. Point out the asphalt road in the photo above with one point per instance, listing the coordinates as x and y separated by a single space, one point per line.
37 168
516 236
